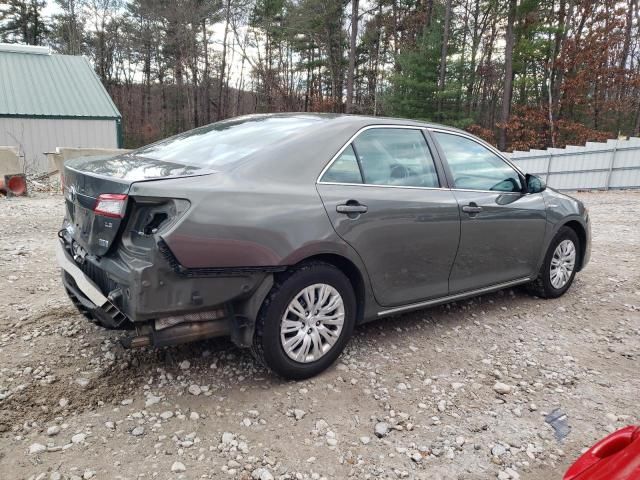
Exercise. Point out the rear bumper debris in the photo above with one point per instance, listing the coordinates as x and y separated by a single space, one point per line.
164 306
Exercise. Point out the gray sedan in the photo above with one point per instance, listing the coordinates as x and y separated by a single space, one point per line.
285 231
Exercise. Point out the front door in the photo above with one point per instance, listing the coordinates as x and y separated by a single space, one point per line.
502 228
383 197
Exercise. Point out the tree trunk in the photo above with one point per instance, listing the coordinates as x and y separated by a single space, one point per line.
507 92
443 53
223 67
352 55
206 77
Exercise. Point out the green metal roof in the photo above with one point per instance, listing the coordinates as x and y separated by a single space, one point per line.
50 85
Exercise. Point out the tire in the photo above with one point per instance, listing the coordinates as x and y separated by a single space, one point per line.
268 341
543 286
81 308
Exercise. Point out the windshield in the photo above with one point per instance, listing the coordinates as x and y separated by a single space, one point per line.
226 142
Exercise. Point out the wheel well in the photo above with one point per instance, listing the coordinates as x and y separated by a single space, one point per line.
582 236
352 272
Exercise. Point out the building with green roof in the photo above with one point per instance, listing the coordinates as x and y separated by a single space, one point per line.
48 101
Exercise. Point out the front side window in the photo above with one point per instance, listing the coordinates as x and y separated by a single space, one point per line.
475 167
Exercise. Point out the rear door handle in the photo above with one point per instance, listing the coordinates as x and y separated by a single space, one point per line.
351 208
471 208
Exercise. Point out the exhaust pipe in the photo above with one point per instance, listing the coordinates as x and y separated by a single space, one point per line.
181 333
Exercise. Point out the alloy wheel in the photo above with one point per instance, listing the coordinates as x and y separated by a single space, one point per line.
312 323
562 264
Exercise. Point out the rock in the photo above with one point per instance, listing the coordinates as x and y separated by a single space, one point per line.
498 450
88 474
55 476
53 430
321 425
110 425
381 429
227 438
78 438
502 388
166 415
194 416
82 382
138 431
185 364
416 457
365 440
36 448
63 402
512 473
332 442
442 405
261 474
178 467
195 390
299 414
152 400
502 475
246 422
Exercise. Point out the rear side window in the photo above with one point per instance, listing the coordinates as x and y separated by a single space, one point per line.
475 167
395 156
345 169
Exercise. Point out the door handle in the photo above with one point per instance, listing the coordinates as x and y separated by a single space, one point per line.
471 208
351 208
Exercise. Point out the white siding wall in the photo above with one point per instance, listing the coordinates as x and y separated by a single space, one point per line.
595 166
35 137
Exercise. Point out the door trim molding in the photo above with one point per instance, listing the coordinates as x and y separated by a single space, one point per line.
451 298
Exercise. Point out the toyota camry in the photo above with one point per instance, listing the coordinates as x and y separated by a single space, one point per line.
285 231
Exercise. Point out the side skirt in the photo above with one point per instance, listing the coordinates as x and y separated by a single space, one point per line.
452 298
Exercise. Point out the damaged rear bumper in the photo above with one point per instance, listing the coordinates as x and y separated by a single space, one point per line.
163 305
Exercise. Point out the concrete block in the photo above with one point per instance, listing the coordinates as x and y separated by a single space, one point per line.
10 162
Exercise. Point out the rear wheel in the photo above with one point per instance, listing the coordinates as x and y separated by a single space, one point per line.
305 321
559 267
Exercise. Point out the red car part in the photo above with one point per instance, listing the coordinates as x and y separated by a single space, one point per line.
616 457
14 185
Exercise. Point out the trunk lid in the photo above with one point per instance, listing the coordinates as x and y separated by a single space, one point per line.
85 179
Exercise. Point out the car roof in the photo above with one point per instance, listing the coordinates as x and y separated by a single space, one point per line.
356 121
302 156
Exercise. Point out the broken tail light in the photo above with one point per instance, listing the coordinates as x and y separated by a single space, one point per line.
111 205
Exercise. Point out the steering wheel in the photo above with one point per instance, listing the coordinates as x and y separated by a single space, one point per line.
399 171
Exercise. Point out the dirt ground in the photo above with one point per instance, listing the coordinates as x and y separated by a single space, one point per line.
74 404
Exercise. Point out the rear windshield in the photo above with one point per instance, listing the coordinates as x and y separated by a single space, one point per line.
226 142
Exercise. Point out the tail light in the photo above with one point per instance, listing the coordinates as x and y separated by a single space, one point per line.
111 205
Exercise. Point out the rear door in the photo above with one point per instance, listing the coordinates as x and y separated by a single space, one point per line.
502 228
384 197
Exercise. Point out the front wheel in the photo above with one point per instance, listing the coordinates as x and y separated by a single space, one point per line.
305 321
559 267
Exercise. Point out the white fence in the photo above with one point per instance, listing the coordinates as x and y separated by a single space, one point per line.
595 166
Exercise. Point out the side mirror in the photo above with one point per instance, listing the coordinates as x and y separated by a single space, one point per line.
535 184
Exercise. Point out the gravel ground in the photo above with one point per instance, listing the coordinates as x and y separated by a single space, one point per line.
455 392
